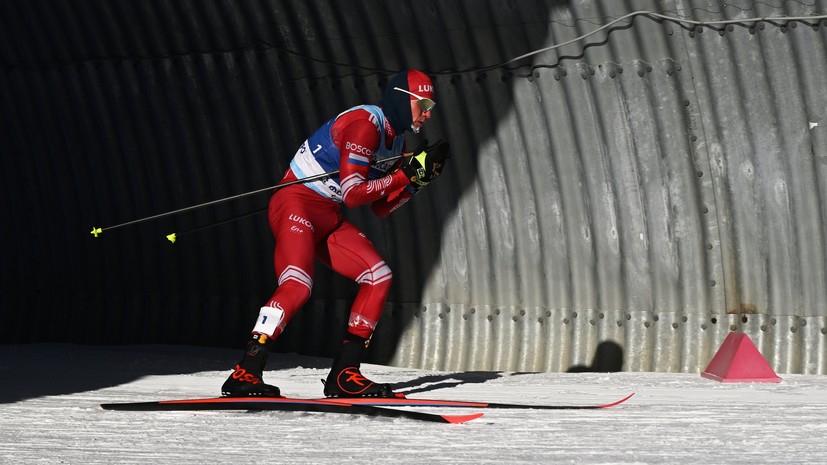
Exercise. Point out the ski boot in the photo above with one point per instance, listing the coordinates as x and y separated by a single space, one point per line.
245 381
345 378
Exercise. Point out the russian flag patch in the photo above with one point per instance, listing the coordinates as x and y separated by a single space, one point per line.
356 159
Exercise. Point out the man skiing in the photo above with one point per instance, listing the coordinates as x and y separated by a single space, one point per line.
307 223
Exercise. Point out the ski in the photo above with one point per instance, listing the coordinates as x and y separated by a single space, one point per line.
368 406
410 402
341 406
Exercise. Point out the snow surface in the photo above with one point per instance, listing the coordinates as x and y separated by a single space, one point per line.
50 396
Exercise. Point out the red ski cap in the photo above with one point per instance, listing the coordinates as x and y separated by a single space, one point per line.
420 84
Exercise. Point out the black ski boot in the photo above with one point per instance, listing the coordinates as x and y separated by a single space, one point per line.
345 379
245 381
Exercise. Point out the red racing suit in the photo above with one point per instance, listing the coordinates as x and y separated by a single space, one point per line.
308 224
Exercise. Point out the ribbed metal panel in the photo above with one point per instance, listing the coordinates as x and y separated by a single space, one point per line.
629 197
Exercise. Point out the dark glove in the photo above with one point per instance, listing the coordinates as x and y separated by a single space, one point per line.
425 166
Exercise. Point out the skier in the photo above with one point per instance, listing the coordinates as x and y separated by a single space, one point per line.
307 223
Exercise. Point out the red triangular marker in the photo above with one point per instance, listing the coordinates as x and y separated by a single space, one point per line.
739 361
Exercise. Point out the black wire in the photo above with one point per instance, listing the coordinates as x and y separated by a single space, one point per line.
263 45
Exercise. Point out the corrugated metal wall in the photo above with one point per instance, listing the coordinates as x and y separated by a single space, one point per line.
619 201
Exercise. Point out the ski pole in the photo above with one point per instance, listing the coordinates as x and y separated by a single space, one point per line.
97 231
174 236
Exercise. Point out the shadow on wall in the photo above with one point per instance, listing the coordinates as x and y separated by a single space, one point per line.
197 124
608 358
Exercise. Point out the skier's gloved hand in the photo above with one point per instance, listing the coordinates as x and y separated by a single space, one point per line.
441 152
425 166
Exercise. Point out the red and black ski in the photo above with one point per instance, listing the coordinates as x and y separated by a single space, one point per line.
341 406
410 402
377 407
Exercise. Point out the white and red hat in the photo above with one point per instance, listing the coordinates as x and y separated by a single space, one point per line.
396 106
